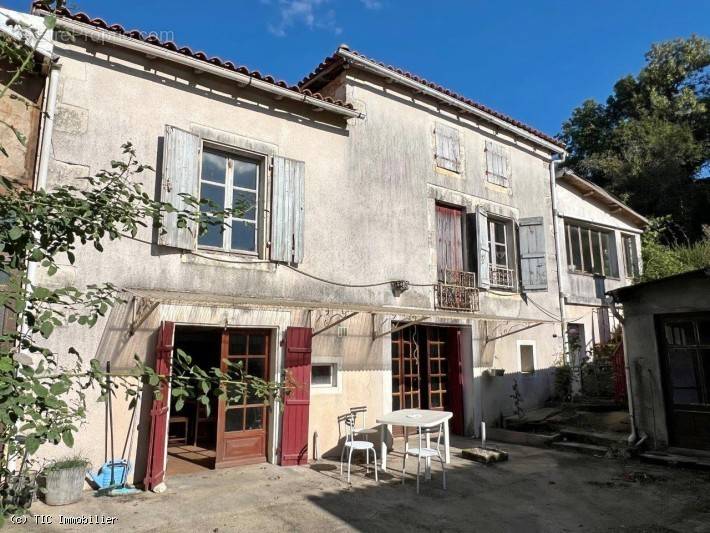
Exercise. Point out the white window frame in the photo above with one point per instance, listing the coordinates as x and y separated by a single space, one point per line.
628 271
511 259
574 226
232 154
519 345
335 386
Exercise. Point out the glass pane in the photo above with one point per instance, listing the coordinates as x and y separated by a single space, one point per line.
596 252
237 343
244 204
501 258
214 166
685 396
680 333
253 397
243 236
239 361
606 255
212 237
435 400
527 359
499 232
704 331
257 345
234 420
214 193
257 367
586 251
576 248
683 371
704 357
395 403
246 174
321 374
255 417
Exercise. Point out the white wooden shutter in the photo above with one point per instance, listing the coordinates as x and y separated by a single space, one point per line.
287 210
483 246
533 262
448 148
498 167
181 167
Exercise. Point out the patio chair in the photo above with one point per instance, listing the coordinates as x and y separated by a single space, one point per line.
363 430
351 445
423 451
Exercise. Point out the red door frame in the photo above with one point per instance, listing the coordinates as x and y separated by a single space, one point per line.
455 380
158 440
297 363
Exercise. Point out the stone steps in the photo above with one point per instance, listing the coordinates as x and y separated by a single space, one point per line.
600 438
580 447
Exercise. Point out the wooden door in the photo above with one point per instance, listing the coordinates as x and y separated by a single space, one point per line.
437 369
242 426
405 370
685 359
449 236
294 437
455 379
158 439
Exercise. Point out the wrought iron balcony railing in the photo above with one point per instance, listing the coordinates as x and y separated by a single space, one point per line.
458 291
501 277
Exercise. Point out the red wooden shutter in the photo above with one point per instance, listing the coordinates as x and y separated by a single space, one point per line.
449 249
155 472
455 379
294 436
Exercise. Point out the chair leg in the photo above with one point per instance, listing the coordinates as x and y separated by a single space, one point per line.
443 470
419 465
374 460
342 454
404 466
350 458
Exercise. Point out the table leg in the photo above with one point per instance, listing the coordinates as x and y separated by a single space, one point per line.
427 469
447 450
383 447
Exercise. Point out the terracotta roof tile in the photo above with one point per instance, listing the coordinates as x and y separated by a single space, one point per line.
335 60
201 56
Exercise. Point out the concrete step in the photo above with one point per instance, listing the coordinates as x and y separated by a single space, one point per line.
672 459
524 438
602 438
579 447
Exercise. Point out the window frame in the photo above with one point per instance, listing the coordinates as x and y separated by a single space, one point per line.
519 344
231 154
590 247
636 265
511 252
335 385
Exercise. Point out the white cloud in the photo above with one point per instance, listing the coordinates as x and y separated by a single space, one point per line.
313 14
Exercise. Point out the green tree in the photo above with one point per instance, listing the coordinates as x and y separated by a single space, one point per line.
650 142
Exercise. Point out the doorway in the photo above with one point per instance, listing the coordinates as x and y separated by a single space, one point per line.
427 372
685 362
220 434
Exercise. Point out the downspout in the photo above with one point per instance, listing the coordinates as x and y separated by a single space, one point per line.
558 247
633 436
44 154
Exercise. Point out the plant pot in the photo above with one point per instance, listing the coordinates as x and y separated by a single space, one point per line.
63 486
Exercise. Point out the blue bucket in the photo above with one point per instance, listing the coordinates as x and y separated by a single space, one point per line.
102 478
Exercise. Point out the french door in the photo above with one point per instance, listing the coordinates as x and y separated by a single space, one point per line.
242 426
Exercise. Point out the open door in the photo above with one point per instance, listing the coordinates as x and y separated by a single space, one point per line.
241 426
157 447
455 379
294 435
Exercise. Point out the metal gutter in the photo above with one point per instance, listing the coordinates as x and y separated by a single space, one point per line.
103 36
420 87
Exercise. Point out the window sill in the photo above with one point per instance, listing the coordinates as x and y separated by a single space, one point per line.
588 275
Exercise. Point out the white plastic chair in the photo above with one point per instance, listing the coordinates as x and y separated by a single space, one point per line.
362 430
424 452
351 445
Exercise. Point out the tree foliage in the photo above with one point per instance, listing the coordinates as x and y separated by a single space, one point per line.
649 143
665 253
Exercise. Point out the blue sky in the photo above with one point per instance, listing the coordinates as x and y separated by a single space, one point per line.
534 60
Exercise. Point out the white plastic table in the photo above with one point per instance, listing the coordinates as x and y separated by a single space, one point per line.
412 418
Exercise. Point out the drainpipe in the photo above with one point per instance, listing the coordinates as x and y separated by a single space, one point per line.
634 435
558 257
45 148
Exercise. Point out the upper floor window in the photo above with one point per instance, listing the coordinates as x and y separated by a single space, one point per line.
591 250
631 258
231 181
448 148
498 167
501 254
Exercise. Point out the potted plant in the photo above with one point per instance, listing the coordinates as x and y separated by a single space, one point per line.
62 481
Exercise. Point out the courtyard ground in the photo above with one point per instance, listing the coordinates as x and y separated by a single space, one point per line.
536 490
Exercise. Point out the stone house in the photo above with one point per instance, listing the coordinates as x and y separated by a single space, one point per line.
401 248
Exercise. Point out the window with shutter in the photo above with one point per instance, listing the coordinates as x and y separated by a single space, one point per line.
287 210
498 166
483 248
448 148
533 259
180 175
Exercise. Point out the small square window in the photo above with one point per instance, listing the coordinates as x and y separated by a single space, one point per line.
323 375
526 352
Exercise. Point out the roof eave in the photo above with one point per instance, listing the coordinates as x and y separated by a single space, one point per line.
104 36
387 73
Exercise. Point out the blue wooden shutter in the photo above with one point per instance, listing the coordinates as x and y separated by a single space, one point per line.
448 148
181 174
533 261
287 210
483 246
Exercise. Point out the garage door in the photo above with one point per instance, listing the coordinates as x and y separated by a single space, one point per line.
685 359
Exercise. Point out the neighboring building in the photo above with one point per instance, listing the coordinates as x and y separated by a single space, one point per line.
601 252
401 251
667 345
